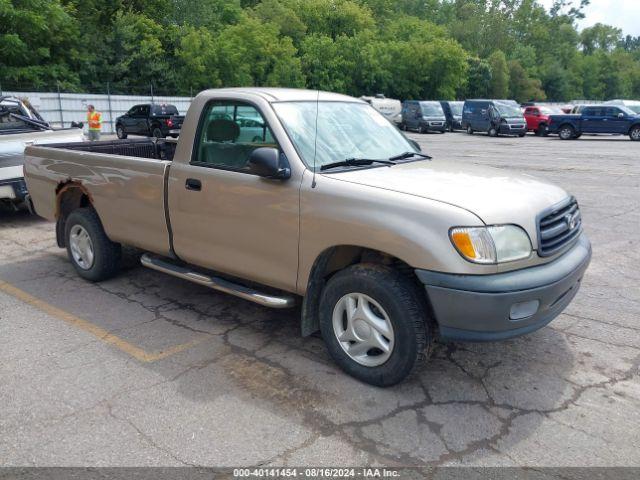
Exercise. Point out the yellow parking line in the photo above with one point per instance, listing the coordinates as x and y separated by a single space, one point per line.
100 333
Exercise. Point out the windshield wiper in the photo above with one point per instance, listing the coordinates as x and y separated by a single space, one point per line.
404 155
355 162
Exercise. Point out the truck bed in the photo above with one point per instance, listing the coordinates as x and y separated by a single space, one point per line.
158 149
125 180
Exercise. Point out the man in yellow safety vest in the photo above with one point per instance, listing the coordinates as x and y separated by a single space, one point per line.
94 119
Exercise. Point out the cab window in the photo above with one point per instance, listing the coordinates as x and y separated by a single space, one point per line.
228 133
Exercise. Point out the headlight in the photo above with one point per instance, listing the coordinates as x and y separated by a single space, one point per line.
494 244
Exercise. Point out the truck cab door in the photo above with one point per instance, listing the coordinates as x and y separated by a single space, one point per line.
226 218
593 120
142 125
618 120
129 119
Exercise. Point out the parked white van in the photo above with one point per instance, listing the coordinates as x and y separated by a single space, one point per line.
389 107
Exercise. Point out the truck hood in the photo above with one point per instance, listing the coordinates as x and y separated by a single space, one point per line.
495 195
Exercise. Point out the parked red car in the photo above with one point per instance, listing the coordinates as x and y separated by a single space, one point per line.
537 118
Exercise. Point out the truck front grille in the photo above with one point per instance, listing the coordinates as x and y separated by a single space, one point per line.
559 227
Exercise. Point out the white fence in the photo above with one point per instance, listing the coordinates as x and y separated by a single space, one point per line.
60 109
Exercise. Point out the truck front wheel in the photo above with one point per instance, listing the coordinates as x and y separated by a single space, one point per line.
90 251
157 133
567 132
634 134
120 133
374 322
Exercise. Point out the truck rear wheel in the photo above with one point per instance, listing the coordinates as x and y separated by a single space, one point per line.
157 133
90 251
374 322
567 132
634 134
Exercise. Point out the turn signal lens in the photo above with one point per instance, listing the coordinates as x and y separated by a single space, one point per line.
462 241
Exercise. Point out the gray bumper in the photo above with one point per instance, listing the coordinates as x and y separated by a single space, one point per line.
482 307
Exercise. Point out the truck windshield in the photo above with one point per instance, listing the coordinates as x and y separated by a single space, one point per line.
345 130
508 109
629 110
432 109
456 108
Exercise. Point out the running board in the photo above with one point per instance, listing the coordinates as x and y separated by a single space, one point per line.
216 283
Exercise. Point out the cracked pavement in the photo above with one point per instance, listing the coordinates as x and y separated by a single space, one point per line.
247 390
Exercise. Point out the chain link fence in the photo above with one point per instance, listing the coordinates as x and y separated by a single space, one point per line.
61 108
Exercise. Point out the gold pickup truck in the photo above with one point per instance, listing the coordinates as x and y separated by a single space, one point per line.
280 196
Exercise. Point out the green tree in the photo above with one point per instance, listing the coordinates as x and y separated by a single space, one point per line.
523 88
284 16
479 78
252 53
600 37
38 44
499 87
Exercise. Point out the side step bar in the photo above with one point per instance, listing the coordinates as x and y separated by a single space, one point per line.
216 283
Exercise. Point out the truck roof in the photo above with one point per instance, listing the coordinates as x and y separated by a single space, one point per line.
271 94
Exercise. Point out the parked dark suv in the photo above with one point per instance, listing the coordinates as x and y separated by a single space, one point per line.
495 117
423 116
151 120
453 114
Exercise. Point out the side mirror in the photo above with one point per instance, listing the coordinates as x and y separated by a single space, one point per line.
621 115
415 144
267 162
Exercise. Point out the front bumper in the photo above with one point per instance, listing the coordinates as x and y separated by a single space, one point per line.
483 307
513 129
439 126
14 189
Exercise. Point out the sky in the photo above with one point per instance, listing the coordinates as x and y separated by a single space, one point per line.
624 14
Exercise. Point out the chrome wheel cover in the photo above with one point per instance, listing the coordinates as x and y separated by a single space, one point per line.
635 133
363 329
81 247
566 133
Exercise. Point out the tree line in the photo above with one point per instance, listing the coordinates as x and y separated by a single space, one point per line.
409 49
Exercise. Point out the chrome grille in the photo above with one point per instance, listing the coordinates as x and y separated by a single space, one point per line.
559 227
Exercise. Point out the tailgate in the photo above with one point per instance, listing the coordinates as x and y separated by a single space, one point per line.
177 121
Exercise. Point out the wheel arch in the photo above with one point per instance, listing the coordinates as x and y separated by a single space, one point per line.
69 197
334 259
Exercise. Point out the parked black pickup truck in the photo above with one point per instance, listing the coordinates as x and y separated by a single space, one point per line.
151 120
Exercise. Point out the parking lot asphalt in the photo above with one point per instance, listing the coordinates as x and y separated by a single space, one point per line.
146 369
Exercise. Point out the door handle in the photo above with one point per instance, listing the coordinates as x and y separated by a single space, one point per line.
193 184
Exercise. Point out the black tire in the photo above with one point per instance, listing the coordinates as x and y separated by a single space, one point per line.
406 309
120 133
421 129
634 133
403 127
451 127
567 132
106 254
542 130
157 132
469 130
493 131
521 135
